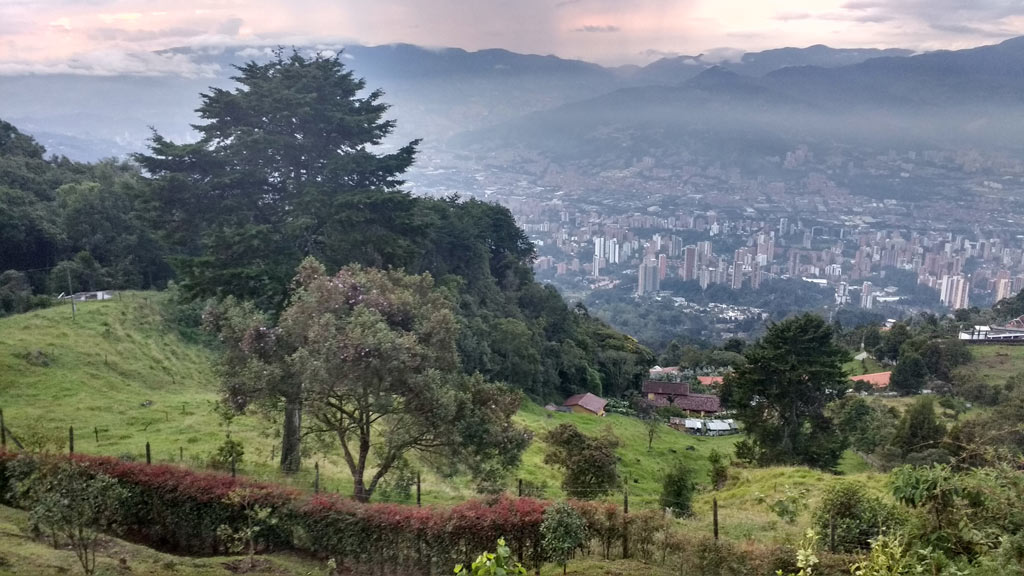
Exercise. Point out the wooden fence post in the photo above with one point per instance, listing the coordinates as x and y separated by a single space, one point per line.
149 458
625 521
316 477
520 487
3 431
71 439
714 504
418 490
96 431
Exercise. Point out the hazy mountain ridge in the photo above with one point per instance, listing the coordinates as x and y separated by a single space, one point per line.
435 92
967 98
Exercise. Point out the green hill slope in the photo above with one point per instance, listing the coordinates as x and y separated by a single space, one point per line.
118 368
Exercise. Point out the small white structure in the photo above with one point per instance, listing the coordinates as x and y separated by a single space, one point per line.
88 296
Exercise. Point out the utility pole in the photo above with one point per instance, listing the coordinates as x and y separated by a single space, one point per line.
71 294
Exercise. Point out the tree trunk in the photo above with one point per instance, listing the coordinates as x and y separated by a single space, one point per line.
359 490
291 437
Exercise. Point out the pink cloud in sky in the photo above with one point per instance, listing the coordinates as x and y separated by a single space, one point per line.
116 35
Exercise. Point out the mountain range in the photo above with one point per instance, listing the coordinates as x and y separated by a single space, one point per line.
450 97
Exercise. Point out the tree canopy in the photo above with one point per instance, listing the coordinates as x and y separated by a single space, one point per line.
280 160
780 394
370 356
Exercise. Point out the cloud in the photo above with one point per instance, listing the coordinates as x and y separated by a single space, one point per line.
721 55
957 17
598 29
115 63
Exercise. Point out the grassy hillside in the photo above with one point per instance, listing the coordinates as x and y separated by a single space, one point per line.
994 363
118 368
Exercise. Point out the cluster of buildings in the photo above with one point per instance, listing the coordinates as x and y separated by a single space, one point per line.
746 253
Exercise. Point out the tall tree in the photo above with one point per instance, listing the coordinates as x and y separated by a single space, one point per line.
373 354
278 157
909 376
919 428
780 394
589 464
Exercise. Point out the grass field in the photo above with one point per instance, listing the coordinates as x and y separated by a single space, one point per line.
994 363
866 366
119 369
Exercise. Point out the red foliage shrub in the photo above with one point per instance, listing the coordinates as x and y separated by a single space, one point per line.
179 509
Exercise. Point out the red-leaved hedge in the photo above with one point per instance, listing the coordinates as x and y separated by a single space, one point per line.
178 509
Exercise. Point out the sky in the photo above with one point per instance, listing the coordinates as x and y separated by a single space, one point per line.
121 36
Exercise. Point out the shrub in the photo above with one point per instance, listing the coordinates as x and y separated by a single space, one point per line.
78 505
719 470
590 465
856 517
677 490
228 454
716 558
564 531
497 564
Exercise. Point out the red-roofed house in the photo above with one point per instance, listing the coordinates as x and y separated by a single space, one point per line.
710 381
679 395
586 404
877 380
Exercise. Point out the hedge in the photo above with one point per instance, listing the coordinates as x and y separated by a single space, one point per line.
180 510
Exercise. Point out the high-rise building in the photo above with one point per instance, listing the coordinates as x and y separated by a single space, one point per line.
647 277
662 266
842 294
706 276
954 291
689 263
867 295
599 247
1003 288
597 266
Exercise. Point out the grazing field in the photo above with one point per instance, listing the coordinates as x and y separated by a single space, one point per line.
866 366
994 363
118 369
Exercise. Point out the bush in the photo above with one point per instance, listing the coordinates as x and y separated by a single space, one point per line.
498 564
677 490
564 531
719 470
717 558
856 516
229 454
589 464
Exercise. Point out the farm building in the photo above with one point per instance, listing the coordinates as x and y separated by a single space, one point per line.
701 427
679 395
586 404
877 380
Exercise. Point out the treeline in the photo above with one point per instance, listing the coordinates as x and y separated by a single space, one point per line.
71 226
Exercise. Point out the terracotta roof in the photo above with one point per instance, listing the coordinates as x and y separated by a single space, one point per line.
877 380
587 401
669 388
664 370
709 381
698 403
